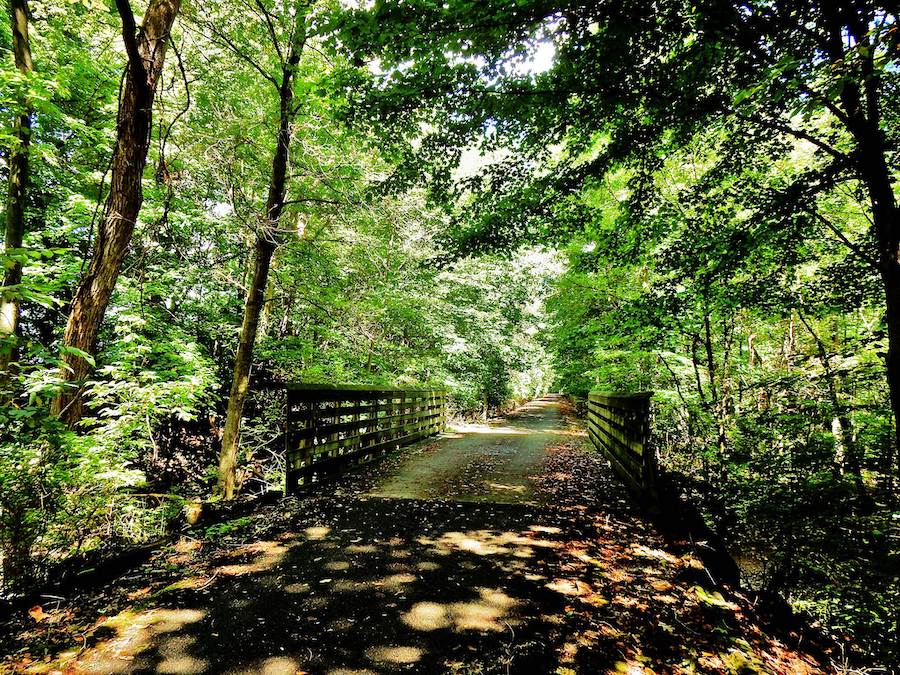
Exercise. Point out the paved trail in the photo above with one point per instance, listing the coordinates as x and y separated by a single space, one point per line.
502 548
495 462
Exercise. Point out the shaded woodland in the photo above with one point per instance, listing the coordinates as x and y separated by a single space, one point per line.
497 199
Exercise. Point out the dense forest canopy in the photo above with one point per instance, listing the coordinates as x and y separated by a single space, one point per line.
500 198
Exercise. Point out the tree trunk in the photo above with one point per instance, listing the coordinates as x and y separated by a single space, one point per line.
873 169
227 483
718 394
15 203
861 101
887 227
146 50
266 242
845 457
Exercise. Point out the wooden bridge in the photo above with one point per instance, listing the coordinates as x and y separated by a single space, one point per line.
619 426
330 428
502 546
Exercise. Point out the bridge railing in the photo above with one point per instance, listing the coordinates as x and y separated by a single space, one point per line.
331 427
619 426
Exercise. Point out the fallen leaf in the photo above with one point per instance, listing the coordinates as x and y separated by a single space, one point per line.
37 613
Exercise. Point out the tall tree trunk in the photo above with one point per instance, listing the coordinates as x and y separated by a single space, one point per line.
887 227
876 174
718 395
146 50
266 242
18 179
710 361
861 100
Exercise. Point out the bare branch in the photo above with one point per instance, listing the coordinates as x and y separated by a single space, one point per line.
869 260
796 133
129 37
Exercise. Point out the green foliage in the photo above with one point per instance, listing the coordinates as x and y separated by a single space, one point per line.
702 167
60 492
361 289
771 409
671 200
151 372
32 477
226 528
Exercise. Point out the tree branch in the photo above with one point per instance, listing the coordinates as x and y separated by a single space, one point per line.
224 39
318 200
849 244
271 28
796 133
129 37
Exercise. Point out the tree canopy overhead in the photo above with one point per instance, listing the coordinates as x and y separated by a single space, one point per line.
723 175
627 88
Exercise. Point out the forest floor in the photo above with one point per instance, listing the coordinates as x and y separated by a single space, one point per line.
499 548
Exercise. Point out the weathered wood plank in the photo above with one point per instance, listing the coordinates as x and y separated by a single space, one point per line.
619 427
359 423
331 427
374 436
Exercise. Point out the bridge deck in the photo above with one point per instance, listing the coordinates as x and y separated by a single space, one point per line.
497 462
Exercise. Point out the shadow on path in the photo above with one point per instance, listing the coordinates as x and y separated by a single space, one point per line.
567 580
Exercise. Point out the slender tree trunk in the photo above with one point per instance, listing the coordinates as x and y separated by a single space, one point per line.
146 50
876 174
846 457
789 345
710 361
285 326
18 180
266 242
695 361
718 394
262 258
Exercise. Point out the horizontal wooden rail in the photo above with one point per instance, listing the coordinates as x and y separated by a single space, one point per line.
619 426
329 428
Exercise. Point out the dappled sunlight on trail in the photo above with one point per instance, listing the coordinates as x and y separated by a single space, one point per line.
460 429
377 585
487 462
358 584
490 612
134 632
